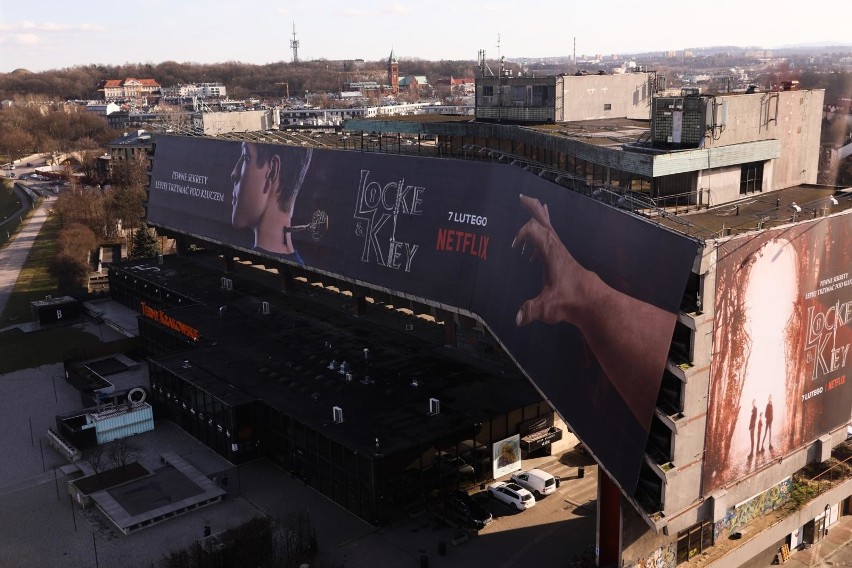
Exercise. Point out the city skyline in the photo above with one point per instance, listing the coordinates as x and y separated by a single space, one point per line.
61 35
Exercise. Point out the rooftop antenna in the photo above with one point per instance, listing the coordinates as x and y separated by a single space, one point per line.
500 59
484 70
294 45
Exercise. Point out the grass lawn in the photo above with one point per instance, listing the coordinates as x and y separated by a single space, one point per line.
35 280
19 350
9 202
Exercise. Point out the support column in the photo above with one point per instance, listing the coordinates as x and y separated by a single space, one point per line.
359 303
228 262
181 246
609 521
450 328
288 283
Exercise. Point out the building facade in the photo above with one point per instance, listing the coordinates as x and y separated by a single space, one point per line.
710 198
564 98
359 424
119 90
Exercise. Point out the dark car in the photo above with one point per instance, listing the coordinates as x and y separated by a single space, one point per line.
29 164
468 509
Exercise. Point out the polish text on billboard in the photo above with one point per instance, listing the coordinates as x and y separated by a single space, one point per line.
781 358
582 296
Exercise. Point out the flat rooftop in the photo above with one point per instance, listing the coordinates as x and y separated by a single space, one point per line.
617 134
759 211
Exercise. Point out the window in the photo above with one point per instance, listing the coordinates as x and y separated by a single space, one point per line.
694 540
488 91
607 106
751 177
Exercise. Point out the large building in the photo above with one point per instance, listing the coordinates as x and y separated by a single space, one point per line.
691 284
130 89
564 98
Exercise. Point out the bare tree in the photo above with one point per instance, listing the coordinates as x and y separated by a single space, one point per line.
95 457
122 452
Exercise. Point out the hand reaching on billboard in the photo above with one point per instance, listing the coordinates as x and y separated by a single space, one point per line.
562 274
615 325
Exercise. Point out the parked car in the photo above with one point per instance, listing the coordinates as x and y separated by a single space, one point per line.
512 494
449 462
468 509
11 174
536 481
29 164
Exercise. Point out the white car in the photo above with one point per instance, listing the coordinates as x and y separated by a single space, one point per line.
537 481
512 494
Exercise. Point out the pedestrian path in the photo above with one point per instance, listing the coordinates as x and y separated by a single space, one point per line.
14 254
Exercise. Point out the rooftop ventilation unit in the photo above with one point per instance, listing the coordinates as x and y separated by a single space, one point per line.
264 307
434 406
227 283
159 259
337 413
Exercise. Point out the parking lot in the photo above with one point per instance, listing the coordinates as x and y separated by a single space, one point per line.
39 526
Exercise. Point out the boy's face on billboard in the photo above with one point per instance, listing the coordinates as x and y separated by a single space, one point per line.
252 188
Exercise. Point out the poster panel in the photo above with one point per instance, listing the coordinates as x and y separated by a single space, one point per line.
506 456
780 345
582 296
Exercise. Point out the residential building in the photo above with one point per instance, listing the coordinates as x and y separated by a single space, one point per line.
455 87
102 108
203 90
118 90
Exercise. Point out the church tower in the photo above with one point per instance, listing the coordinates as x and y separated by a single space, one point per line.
393 73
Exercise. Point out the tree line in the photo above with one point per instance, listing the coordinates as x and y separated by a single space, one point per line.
88 217
39 126
241 79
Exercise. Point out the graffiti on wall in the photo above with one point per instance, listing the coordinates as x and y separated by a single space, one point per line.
662 557
740 515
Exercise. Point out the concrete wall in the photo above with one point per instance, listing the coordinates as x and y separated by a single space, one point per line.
584 97
792 117
215 123
723 184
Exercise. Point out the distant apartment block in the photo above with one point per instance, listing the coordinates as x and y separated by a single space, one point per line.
203 90
455 86
102 108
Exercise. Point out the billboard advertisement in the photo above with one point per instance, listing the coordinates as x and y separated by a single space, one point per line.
780 346
583 297
506 456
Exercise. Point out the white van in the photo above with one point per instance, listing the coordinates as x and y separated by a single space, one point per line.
536 481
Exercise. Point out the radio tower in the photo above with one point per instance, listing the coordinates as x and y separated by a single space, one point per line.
294 45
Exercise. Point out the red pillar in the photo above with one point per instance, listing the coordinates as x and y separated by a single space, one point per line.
609 521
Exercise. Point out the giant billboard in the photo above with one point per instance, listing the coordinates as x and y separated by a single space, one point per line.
584 297
780 345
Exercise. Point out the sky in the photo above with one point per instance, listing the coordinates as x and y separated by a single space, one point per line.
55 34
